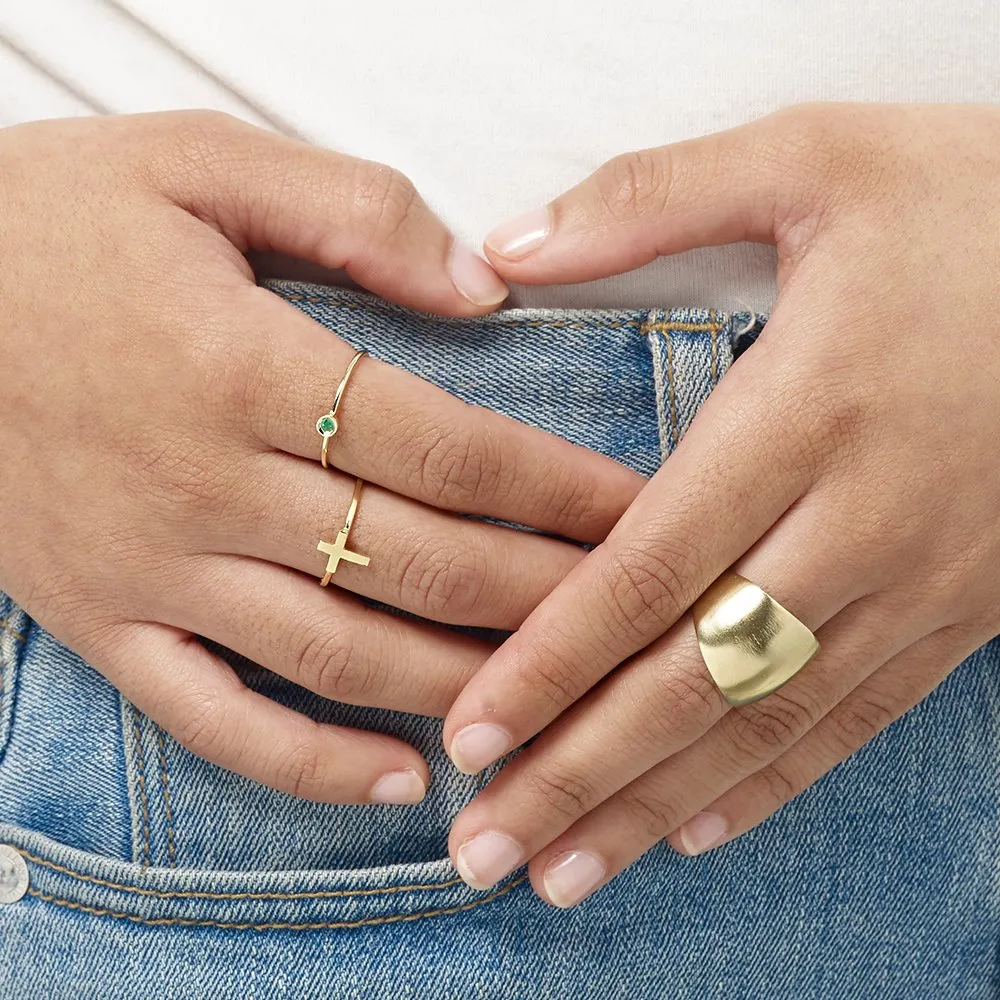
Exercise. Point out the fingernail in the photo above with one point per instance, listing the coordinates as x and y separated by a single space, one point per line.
485 859
572 876
519 237
401 788
474 278
477 745
702 831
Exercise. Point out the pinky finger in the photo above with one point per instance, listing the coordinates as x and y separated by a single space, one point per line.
892 691
202 703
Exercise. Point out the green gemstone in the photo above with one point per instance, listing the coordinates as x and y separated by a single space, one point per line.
327 425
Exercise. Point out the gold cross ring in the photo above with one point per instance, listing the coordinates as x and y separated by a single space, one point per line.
337 550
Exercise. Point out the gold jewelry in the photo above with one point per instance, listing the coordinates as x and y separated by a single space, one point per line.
328 425
750 643
337 550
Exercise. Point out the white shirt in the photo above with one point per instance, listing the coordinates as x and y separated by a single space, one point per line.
493 108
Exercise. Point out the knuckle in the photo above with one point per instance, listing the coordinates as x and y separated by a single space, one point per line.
635 185
691 699
203 730
446 581
770 725
557 680
858 721
181 477
383 197
571 502
776 786
568 795
649 811
328 664
650 584
300 771
457 469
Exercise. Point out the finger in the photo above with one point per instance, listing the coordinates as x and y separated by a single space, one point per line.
413 438
745 740
664 700
200 701
746 183
673 541
324 640
266 192
436 565
903 682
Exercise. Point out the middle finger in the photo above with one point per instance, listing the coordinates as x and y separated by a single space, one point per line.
418 440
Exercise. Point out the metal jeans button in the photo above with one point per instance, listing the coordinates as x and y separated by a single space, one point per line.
13 875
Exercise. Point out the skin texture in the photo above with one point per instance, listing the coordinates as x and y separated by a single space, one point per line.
848 464
161 475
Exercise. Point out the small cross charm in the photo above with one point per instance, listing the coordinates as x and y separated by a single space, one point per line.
337 550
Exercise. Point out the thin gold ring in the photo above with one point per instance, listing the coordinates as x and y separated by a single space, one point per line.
337 550
750 643
328 425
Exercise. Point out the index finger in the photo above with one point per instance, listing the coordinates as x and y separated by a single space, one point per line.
724 486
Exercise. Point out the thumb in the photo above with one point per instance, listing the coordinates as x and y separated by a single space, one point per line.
747 183
269 193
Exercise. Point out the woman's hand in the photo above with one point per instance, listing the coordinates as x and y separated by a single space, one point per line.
161 475
849 464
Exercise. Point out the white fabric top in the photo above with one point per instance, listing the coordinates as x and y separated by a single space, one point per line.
493 108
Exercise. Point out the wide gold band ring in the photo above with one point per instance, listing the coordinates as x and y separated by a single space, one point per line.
750 643
328 424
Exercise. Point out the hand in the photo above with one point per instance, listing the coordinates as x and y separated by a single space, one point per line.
848 464
161 475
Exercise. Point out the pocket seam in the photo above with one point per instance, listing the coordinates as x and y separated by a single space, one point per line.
393 918
195 894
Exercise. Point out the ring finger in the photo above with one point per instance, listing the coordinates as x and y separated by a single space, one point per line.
655 705
745 741
422 560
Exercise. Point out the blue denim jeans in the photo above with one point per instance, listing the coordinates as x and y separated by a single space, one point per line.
153 873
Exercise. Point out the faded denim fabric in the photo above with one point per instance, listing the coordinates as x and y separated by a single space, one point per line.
154 873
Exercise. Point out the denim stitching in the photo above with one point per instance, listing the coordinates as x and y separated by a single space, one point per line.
659 390
665 326
670 388
275 925
162 750
715 350
137 735
194 894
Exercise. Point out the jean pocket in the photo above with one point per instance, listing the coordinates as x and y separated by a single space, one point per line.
244 900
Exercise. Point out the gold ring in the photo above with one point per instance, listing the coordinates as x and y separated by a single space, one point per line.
337 550
328 425
750 643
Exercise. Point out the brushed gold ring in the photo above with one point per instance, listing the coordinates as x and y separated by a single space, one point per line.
328 424
750 643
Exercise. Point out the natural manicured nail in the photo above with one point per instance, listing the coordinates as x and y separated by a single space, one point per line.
572 876
486 858
400 788
519 237
475 279
478 745
702 831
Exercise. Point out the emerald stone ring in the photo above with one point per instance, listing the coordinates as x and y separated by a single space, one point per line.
328 425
